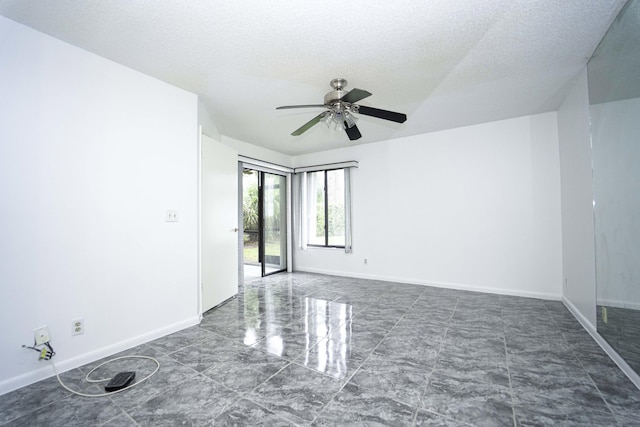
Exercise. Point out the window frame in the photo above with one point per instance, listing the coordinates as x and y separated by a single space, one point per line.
326 212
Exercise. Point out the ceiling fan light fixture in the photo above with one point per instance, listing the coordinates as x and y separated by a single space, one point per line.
350 119
327 119
339 116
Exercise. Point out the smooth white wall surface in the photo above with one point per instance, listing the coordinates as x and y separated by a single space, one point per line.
92 154
474 208
209 128
578 256
255 152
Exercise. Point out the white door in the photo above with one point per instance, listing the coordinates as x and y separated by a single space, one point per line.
219 222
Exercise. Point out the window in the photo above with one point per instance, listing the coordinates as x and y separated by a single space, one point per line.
322 205
326 198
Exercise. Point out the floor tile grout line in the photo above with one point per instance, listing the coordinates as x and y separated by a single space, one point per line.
506 308
247 395
241 395
435 363
446 417
350 377
125 413
267 379
506 357
442 344
575 357
582 365
421 407
23 414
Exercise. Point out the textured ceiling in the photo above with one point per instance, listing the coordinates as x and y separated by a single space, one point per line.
614 67
445 63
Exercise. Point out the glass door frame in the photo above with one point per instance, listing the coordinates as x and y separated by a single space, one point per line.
263 167
262 202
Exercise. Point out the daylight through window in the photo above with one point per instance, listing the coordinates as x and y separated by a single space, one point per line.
326 195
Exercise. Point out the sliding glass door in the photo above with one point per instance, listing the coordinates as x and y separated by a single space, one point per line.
251 265
264 212
274 223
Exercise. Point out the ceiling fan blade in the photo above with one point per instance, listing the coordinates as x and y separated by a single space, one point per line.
382 114
305 127
284 107
352 132
355 95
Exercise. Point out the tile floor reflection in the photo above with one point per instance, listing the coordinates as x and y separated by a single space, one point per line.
307 349
620 327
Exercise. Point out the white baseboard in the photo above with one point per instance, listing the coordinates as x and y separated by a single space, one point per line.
591 329
458 286
64 365
618 303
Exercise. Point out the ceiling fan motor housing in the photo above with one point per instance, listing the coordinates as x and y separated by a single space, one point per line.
335 95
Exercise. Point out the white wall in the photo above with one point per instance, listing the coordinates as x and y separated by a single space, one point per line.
474 208
577 201
255 152
209 128
91 156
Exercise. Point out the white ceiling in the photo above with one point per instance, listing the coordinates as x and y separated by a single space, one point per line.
613 68
445 63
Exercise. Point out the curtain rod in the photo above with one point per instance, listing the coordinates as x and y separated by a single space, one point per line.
264 164
338 165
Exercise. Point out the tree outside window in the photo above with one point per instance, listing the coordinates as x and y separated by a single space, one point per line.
327 210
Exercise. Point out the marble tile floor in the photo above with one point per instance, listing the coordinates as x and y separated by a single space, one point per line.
307 349
621 329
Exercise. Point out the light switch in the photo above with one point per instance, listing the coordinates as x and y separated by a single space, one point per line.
171 216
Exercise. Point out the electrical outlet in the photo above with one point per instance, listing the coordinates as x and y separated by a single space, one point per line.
171 216
77 327
366 261
41 335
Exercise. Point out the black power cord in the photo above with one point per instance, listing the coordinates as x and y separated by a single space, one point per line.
46 351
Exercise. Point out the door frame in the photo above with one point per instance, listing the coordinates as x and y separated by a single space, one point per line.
262 166
199 224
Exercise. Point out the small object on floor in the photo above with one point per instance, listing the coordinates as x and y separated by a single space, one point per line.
121 380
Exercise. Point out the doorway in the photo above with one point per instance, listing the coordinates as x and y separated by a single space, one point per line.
264 220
